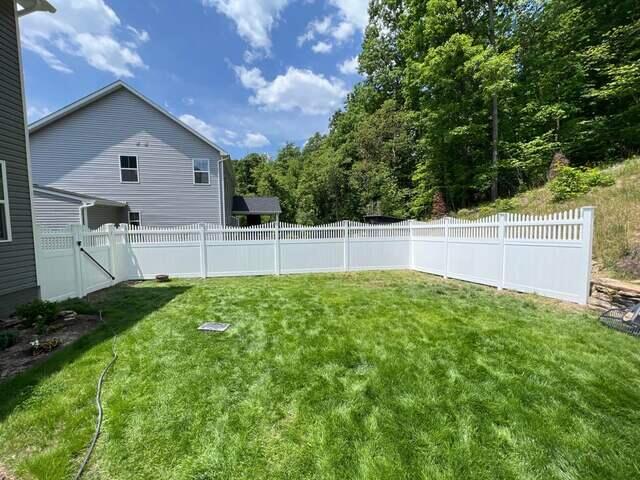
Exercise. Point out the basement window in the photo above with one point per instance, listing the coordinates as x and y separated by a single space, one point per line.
5 225
129 169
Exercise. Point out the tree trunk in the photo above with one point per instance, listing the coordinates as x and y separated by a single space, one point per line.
494 110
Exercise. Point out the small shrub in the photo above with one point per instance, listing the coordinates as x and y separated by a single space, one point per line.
38 312
504 205
597 178
8 338
571 182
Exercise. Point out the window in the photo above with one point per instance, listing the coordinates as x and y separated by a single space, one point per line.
201 171
134 219
5 226
128 168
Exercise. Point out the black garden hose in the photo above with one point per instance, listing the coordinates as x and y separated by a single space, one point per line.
99 405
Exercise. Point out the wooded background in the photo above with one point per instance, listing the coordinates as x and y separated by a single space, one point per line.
463 101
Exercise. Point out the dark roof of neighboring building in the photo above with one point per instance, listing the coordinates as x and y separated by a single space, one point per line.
78 196
256 205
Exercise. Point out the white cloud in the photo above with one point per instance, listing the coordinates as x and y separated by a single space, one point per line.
322 47
255 140
88 29
188 101
250 78
315 27
254 19
355 12
224 135
36 113
199 126
352 16
349 66
303 90
343 31
142 36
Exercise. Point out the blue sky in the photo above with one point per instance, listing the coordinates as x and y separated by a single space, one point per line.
250 74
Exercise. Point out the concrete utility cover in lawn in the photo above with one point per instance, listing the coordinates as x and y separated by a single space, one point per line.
214 327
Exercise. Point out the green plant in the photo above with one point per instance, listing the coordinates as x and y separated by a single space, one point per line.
571 182
38 312
597 178
7 339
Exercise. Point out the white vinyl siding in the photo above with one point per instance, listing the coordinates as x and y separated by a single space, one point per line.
81 153
55 210
5 218
201 171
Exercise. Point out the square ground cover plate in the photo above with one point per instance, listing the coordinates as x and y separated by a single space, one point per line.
214 327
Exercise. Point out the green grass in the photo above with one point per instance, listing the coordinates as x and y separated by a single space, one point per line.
369 375
616 246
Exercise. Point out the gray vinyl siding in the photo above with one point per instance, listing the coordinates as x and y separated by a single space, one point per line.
17 258
55 211
98 215
80 153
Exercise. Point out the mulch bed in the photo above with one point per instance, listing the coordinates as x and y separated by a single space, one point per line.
19 357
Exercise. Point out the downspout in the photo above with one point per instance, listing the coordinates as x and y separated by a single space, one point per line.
223 213
84 220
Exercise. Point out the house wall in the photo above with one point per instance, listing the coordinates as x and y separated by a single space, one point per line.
80 153
18 282
55 211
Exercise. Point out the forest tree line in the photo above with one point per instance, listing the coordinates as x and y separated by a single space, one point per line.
463 101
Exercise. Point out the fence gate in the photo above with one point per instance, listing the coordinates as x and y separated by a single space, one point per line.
74 261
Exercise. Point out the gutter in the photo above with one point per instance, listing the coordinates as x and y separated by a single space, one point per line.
223 212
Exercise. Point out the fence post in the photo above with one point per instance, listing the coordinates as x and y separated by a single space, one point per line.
112 252
37 245
203 250
276 246
128 250
588 219
346 246
446 247
76 231
502 220
411 246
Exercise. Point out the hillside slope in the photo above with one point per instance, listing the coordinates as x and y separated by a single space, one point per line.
617 231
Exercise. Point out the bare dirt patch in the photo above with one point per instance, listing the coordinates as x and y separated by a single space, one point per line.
5 475
19 357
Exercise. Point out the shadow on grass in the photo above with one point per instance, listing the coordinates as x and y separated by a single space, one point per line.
122 307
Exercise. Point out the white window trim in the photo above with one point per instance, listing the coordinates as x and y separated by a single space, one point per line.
5 202
193 169
139 216
137 169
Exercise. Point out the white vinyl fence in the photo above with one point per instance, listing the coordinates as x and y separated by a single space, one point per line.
548 255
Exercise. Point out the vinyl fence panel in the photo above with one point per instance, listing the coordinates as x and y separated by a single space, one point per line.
549 255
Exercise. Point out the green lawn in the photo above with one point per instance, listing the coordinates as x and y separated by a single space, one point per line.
369 375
